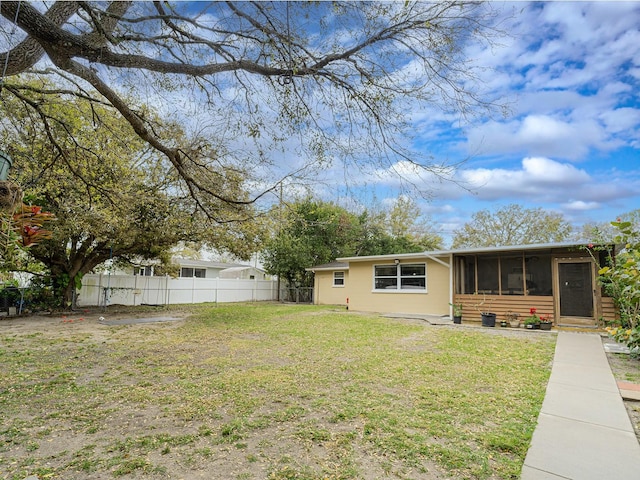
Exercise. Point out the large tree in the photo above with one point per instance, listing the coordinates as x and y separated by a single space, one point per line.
128 205
312 232
340 77
512 225
308 233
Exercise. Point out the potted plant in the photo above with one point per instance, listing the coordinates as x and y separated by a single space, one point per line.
488 317
532 322
457 312
513 319
546 322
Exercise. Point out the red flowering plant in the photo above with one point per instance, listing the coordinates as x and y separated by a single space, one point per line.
533 318
548 318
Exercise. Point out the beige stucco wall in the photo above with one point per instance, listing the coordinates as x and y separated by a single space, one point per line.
362 297
325 293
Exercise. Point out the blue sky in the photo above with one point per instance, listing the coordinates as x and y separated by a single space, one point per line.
570 140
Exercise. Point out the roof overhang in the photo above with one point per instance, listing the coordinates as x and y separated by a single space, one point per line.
439 255
520 248
329 267
392 257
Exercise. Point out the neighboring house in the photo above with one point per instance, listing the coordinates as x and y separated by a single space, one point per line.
188 268
203 268
245 272
556 279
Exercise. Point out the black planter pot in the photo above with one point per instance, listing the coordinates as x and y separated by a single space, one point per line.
457 319
545 326
488 319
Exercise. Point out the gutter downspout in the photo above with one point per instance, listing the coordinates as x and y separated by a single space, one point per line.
451 285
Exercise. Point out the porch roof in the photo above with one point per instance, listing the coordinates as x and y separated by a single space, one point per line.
467 251
528 247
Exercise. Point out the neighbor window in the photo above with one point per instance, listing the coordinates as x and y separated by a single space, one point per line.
400 277
338 279
193 272
143 271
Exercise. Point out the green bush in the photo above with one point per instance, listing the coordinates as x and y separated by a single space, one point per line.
621 280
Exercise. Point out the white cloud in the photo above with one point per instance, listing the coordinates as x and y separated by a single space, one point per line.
579 205
562 70
621 119
539 180
539 135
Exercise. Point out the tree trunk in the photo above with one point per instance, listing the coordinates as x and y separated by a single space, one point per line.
64 287
68 296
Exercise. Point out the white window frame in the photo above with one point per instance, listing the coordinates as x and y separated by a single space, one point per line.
193 271
399 277
336 277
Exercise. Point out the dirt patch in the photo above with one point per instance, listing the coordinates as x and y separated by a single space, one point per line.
85 320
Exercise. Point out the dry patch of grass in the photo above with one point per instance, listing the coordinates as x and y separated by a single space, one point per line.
269 392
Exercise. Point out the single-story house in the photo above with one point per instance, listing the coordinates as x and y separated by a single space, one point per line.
204 269
209 269
245 272
557 279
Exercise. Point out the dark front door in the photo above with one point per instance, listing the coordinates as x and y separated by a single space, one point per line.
576 291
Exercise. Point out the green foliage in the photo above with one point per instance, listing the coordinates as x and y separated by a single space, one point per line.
621 280
313 232
512 225
113 198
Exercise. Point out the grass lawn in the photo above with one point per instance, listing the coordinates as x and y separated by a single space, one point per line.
268 392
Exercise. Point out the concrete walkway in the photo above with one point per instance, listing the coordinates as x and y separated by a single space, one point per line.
583 430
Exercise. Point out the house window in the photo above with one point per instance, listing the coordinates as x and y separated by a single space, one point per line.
144 271
193 272
338 279
400 277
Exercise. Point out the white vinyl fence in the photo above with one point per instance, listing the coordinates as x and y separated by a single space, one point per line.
105 289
